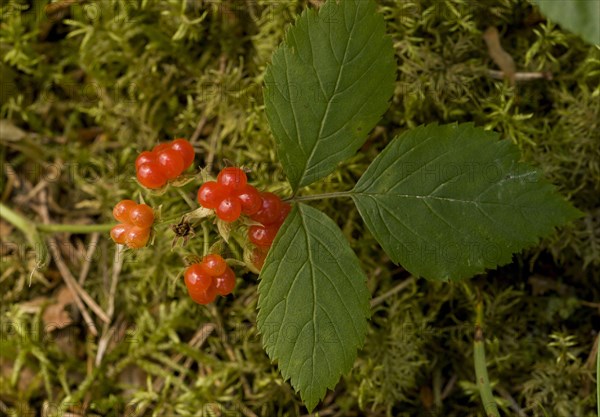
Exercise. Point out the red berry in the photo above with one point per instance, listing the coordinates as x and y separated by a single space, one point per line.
213 265
122 209
161 147
263 235
144 158
205 297
229 209
232 178
250 199
211 194
137 237
150 175
259 254
171 163
141 216
196 280
283 212
118 233
270 209
225 283
185 149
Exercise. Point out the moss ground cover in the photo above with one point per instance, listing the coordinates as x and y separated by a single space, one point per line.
87 85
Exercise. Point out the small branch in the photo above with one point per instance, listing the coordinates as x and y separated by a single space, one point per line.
481 373
205 237
521 76
338 194
74 228
388 294
186 198
30 231
75 288
198 130
511 402
72 284
116 272
85 269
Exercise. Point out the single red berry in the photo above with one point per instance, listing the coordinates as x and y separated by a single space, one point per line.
270 209
196 280
250 199
232 178
263 235
225 283
211 194
171 163
137 237
185 149
213 265
229 209
283 212
258 256
144 158
118 232
122 209
204 297
150 175
141 216
161 147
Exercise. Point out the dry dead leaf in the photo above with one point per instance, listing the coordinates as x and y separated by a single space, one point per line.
55 316
5 230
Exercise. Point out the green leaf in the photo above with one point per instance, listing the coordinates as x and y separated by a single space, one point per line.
579 16
327 87
313 303
447 202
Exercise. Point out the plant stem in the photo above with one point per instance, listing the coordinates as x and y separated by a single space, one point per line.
481 373
205 234
74 228
337 194
30 231
598 375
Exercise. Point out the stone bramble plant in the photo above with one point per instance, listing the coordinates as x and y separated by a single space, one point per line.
445 202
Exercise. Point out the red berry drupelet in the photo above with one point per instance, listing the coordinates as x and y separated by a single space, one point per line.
209 278
230 196
272 214
136 224
165 162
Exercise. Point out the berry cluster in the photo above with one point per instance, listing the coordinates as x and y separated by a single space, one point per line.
230 195
272 214
209 278
165 162
136 223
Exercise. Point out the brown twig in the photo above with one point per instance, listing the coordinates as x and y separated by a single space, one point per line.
521 76
79 293
378 300
87 262
198 131
511 401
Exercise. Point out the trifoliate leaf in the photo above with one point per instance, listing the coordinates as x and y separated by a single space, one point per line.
447 202
313 303
328 85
